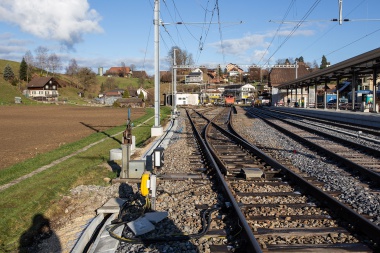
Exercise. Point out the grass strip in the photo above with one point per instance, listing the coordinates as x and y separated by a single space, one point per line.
22 202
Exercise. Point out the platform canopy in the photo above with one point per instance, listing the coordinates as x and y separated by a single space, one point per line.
364 64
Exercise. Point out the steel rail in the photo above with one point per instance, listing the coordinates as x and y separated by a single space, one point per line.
370 174
253 244
356 220
351 126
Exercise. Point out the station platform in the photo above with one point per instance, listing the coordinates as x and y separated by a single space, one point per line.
368 119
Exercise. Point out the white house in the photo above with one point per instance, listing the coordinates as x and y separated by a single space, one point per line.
144 92
43 89
195 77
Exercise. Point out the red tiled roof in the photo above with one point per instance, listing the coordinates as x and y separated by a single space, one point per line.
117 70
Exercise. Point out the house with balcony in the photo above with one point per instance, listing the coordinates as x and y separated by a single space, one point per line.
43 89
194 77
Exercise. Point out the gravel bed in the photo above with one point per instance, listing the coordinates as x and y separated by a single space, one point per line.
259 188
361 198
179 199
292 223
330 130
284 210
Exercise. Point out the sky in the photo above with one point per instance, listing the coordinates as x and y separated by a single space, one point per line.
104 33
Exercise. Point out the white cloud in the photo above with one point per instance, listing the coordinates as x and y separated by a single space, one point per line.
61 20
11 48
241 46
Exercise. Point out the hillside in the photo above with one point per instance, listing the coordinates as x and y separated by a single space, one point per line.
14 65
69 91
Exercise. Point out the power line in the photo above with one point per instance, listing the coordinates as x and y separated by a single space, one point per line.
220 31
295 28
278 29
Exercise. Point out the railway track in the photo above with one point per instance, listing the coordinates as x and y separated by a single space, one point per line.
369 132
357 158
257 203
285 211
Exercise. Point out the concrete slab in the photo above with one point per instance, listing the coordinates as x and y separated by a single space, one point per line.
156 217
113 205
140 226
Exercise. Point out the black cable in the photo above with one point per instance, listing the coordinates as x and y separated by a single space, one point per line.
206 221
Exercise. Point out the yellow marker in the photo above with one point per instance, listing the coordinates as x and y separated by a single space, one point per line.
144 183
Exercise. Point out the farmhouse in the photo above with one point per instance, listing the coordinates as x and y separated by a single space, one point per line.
43 89
119 71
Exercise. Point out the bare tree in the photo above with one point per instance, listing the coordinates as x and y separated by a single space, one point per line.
133 67
41 58
72 70
123 70
29 59
182 56
110 83
87 78
54 63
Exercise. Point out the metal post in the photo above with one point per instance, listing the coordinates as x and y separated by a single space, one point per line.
337 94
157 129
175 83
126 147
325 98
316 95
374 90
353 84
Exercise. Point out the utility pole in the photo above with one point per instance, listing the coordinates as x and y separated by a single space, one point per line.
157 128
175 82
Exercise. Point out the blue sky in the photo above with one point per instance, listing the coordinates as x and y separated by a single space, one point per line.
99 33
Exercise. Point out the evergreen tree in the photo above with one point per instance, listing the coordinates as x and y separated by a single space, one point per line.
324 62
8 73
126 93
23 70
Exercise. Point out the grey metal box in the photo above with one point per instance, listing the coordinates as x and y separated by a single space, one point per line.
136 168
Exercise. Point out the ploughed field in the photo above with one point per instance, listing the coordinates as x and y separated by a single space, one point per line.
26 131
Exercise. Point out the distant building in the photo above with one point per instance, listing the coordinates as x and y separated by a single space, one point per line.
43 89
182 99
111 96
278 76
100 71
119 71
195 77
144 92
243 93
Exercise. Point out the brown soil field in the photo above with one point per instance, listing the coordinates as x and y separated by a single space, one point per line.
26 131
